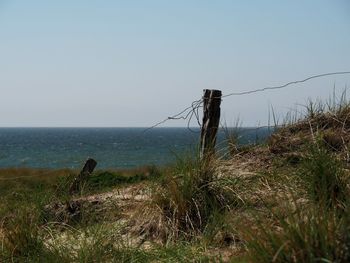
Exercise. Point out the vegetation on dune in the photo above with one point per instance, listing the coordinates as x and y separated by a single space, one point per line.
286 200
316 229
186 200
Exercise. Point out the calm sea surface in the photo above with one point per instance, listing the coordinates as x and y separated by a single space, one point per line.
110 147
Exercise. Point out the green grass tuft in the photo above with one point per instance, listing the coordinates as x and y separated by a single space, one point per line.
191 195
324 177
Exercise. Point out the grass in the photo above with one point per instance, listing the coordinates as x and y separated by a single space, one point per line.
21 238
232 136
283 201
109 179
191 196
100 243
28 235
309 235
313 226
324 177
313 231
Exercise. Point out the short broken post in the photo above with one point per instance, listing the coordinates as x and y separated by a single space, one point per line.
83 175
211 120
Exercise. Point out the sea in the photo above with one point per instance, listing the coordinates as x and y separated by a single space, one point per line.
112 148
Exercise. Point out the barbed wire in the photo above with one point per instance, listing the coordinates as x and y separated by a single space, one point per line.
193 110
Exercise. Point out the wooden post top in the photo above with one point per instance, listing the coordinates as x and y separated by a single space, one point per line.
212 90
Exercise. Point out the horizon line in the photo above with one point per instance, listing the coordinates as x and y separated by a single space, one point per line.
118 127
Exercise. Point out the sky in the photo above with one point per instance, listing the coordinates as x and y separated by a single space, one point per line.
133 63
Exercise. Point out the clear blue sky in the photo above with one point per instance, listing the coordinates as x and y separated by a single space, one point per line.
132 63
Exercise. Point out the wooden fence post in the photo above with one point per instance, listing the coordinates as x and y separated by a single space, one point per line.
211 119
84 173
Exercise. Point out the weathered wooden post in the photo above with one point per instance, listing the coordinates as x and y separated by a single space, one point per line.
83 175
211 119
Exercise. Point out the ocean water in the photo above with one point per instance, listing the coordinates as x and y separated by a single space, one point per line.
110 147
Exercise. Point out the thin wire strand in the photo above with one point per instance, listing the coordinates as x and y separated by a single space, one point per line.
285 85
184 114
189 110
194 112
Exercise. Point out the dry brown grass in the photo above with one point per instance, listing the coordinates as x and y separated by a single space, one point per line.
218 209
